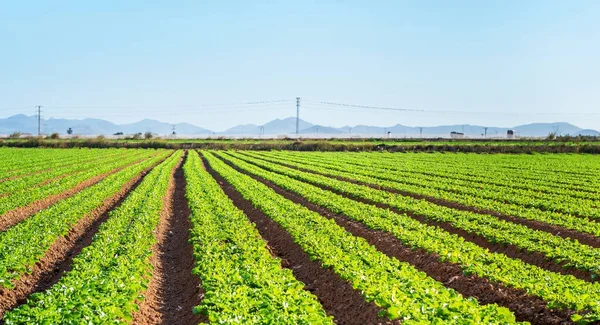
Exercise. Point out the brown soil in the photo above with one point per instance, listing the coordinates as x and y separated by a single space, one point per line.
336 295
525 307
584 238
174 290
534 258
13 217
59 257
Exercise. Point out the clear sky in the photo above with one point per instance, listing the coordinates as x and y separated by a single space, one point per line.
509 61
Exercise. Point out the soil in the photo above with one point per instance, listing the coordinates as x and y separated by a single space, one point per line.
173 290
525 307
59 257
336 295
13 217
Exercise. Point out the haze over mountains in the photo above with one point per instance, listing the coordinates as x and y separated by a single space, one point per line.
278 127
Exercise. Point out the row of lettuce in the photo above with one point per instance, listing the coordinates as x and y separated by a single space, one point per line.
572 173
20 162
401 290
20 192
108 277
449 183
45 171
560 291
354 168
244 284
563 250
18 253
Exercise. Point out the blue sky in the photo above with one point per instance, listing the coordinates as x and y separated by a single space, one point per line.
499 63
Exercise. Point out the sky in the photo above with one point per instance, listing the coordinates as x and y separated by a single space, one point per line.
495 63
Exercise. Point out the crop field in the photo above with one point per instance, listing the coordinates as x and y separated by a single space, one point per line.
160 236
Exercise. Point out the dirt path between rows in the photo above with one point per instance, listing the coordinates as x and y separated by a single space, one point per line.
174 290
13 217
584 238
336 295
59 257
525 307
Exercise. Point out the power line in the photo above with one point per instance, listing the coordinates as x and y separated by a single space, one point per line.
369 107
241 104
356 107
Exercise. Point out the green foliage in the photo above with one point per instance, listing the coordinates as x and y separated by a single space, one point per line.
17 254
533 195
567 251
109 276
393 285
558 290
243 284
21 192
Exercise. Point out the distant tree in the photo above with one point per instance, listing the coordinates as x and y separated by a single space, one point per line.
15 135
54 136
137 136
148 135
118 133
69 131
551 136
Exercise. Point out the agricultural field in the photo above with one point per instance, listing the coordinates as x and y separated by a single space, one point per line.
161 236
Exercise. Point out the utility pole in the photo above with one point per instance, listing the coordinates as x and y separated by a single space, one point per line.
485 132
39 114
421 132
297 116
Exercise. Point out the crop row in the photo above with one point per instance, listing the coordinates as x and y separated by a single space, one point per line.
70 169
397 287
572 253
525 198
243 284
575 173
520 171
368 176
22 197
558 290
457 172
24 244
14 159
110 275
21 162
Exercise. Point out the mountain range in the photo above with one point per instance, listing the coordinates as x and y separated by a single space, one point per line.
278 127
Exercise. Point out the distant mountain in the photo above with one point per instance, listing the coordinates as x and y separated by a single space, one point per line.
21 123
275 127
320 129
561 128
287 126
245 129
28 124
160 128
588 132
